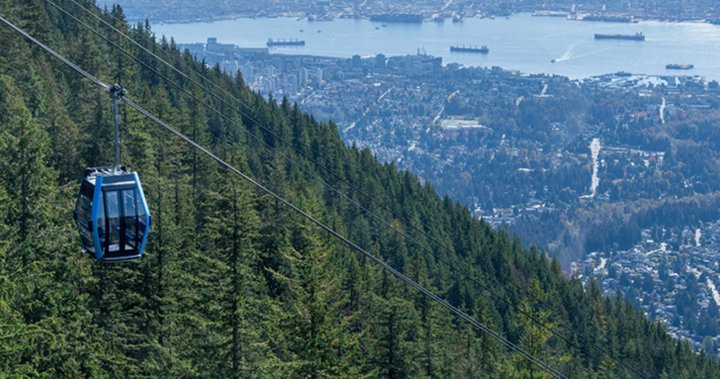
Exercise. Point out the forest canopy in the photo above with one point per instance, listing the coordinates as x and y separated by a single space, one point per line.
235 285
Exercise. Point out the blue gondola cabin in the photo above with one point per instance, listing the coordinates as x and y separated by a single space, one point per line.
112 214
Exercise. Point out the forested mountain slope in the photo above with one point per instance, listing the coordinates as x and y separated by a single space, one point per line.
235 285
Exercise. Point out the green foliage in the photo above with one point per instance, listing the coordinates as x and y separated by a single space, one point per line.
233 284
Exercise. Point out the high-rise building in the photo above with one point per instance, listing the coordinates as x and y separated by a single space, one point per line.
319 76
356 61
292 83
380 61
303 77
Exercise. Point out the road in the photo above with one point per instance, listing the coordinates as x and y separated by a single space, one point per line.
442 110
379 99
662 110
446 5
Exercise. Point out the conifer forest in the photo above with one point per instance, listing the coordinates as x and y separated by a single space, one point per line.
235 284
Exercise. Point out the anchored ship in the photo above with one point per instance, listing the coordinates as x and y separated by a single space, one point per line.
675 66
630 37
469 49
285 42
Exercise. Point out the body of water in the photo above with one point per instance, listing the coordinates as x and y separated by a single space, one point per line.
521 42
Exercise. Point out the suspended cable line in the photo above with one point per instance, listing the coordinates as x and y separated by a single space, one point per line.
428 293
267 129
56 54
470 276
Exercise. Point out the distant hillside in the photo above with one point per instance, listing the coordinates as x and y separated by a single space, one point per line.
234 284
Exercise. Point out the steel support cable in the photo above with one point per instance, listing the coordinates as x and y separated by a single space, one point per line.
414 241
370 198
242 113
411 239
55 54
250 134
459 313
322 180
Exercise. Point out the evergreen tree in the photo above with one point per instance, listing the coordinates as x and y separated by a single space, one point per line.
536 338
314 323
396 331
235 285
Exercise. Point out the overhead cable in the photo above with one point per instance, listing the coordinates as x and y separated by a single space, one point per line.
459 313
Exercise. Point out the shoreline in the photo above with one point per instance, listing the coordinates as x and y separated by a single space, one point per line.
514 53
604 77
298 17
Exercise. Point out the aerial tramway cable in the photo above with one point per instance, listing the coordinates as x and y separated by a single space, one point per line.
373 200
459 313
185 76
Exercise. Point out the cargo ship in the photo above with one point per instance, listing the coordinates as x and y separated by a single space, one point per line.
469 49
675 66
628 37
285 42
398 17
